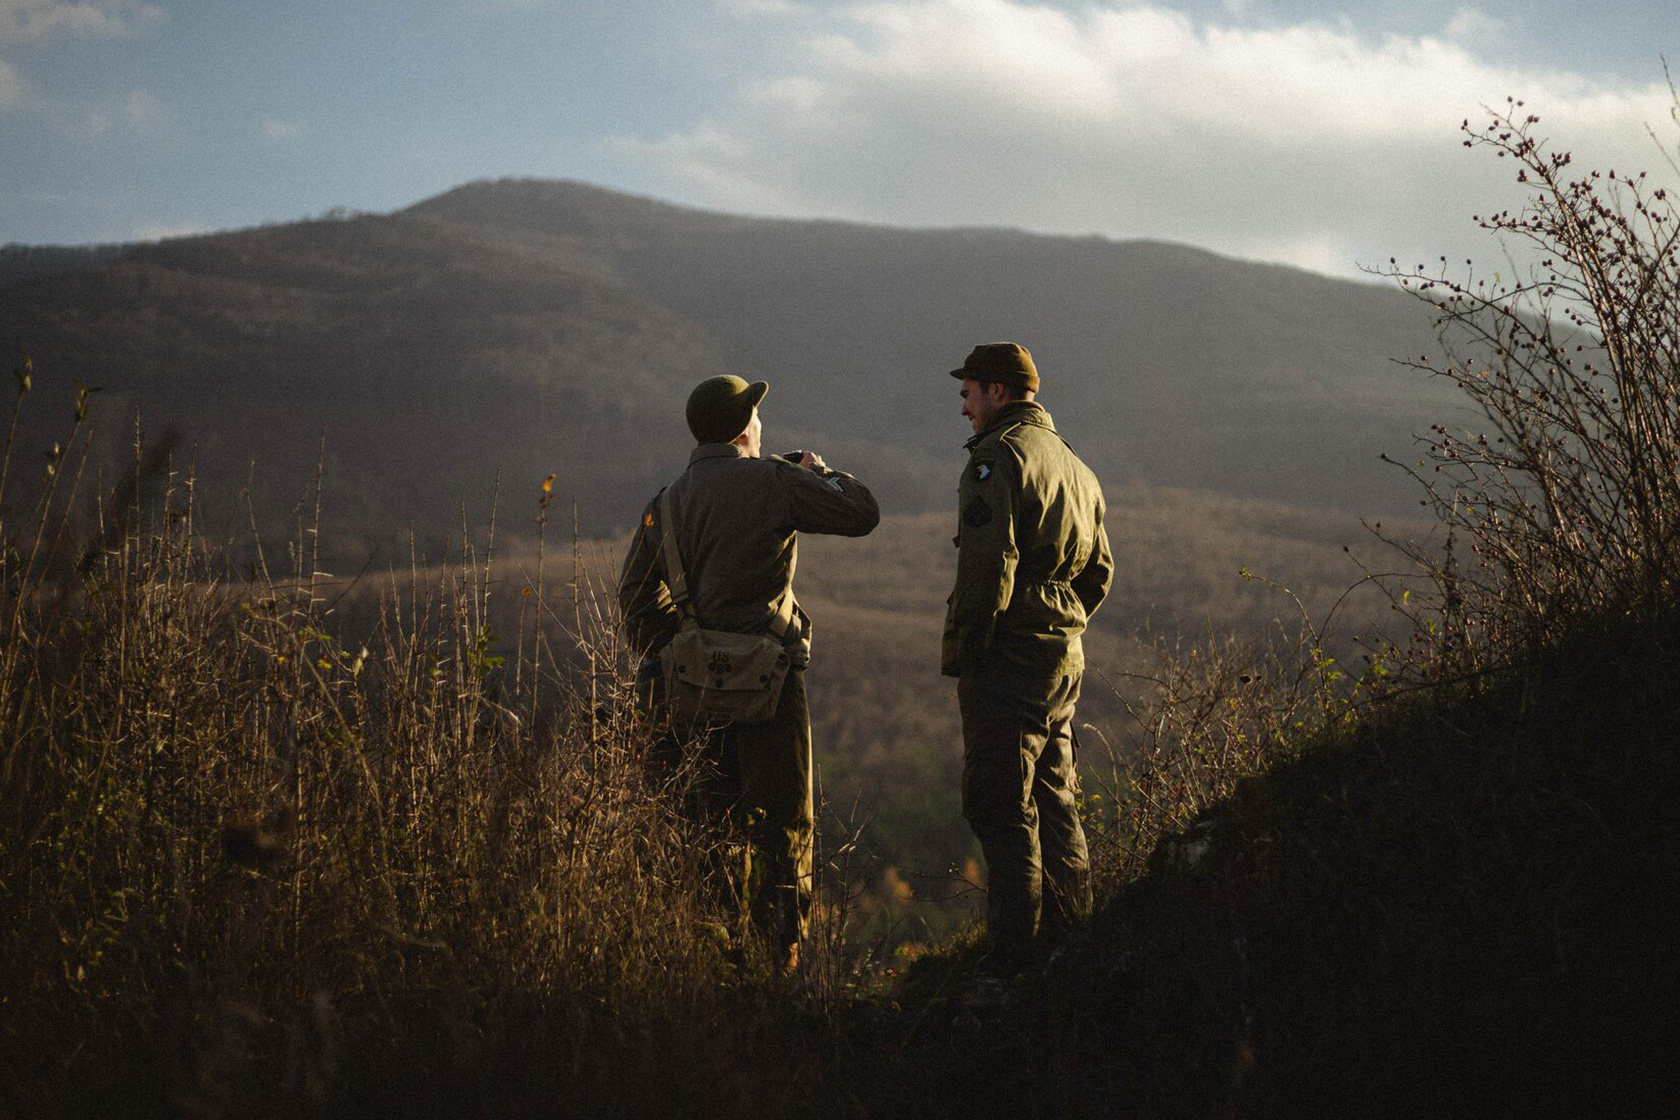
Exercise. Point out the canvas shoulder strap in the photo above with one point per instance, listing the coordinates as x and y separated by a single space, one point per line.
677 577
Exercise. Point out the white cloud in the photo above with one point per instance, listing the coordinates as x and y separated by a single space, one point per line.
1307 144
278 130
33 19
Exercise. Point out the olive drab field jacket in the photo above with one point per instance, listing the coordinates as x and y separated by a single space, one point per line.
738 520
1033 560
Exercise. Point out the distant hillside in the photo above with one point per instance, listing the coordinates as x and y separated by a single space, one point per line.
20 262
1163 362
537 327
430 356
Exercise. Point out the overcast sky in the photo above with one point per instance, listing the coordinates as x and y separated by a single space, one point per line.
1318 134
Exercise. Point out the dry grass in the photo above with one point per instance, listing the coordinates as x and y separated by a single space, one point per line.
311 841
251 857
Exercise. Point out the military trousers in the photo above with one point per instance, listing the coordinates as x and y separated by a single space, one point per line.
1020 781
754 784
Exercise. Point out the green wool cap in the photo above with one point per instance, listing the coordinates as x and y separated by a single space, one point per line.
1007 363
720 408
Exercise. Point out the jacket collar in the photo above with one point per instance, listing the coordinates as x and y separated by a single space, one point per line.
1011 414
716 451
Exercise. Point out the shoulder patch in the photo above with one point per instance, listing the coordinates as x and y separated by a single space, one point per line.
982 470
977 513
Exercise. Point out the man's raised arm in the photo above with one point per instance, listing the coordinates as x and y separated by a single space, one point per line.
828 501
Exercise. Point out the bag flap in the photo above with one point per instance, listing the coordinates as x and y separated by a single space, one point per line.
715 659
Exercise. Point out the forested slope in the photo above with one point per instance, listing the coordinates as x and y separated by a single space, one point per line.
529 328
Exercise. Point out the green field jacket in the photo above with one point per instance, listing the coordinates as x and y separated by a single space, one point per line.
1033 560
738 520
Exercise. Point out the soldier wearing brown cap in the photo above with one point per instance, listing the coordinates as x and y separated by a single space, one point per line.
1033 563
737 518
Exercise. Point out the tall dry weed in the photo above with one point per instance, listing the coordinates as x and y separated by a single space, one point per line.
249 857
1205 716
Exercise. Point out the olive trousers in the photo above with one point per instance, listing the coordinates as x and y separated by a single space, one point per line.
755 785
1020 779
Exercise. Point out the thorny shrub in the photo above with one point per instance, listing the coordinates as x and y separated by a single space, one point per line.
1566 508
1563 513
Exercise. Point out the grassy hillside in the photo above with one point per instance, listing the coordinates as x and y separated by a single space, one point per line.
337 847
885 723
1462 908
254 869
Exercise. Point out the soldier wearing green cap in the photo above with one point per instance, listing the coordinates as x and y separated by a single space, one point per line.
737 518
1033 563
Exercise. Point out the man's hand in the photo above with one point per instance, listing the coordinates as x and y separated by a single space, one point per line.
811 461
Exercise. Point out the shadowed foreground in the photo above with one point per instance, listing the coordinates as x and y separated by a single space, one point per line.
252 870
1461 908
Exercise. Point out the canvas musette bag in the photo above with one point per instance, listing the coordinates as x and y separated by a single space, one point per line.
716 676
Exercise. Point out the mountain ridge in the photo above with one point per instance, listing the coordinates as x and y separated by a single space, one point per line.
529 327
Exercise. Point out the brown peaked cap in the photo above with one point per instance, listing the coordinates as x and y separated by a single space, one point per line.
1007 363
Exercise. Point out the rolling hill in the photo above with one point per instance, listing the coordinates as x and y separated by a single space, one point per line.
526 327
